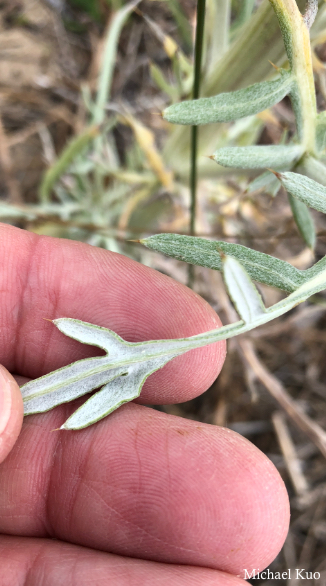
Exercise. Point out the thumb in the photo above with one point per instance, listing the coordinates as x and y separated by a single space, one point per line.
11 412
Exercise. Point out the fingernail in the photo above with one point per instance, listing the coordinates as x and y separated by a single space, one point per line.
5 399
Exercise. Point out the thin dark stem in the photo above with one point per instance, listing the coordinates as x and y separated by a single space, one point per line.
194 130
196 89
193 179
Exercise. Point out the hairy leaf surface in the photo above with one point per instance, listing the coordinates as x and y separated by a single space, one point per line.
205 253
304 189
258 157
230 106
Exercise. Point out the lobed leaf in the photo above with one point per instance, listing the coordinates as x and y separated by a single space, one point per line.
230 106
242 291
205 253
258 157
121 390
124 361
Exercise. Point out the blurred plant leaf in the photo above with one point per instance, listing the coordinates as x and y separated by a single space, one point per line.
312 168
266 181
68 155
146 141
230 106
162 83
258 157
303 220
109 60
182 22
321 131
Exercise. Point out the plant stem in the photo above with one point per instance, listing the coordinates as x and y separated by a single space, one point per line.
297 42
196 89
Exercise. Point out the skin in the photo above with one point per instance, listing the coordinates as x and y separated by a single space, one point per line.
141 497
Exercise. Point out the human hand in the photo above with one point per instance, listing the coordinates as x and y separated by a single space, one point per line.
141 497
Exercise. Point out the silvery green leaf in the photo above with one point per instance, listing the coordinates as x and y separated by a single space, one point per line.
123 360
205 253
231 106
303 220
258 157
304 189
266 181
121 390
242 291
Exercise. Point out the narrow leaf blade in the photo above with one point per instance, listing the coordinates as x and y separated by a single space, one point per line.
205 253
230 106
242 291
92 335
258 157
304 189
303 220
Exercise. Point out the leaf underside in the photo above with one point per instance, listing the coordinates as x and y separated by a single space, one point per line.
122 371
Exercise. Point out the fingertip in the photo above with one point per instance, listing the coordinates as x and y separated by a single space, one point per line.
11 412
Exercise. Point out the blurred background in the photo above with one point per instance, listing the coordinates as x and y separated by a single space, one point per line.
86 155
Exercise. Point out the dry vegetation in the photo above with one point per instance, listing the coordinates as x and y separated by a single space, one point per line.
272 388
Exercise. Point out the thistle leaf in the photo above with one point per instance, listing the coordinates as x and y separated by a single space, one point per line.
258 157
303 220
205 253
304 189
242 291
231 106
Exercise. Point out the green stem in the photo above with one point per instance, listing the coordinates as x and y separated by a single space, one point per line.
297 43
196 89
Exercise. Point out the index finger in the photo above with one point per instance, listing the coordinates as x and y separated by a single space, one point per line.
42 277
